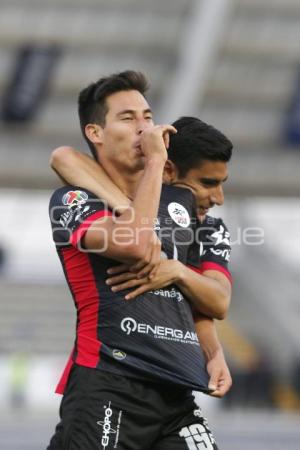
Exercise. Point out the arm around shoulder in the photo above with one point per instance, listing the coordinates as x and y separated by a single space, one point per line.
209 292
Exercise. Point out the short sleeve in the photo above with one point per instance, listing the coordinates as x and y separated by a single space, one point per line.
212 249
72 210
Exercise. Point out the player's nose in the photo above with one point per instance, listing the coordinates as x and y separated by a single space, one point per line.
142 125
217 196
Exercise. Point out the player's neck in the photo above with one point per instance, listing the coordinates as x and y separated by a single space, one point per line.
126 182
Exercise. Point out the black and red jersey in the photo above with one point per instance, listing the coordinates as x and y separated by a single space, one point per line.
151 337
212 244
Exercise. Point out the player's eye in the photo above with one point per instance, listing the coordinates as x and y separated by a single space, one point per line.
209 183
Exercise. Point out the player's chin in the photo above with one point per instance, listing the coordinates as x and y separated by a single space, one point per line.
140 163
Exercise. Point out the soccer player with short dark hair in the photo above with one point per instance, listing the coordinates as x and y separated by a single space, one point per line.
134 362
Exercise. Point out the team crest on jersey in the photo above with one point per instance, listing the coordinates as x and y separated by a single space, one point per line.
119 354
74 198
179 214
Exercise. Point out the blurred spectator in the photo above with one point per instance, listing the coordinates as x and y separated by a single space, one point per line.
252 387
2 259
29 83
18 379
292 120
296 378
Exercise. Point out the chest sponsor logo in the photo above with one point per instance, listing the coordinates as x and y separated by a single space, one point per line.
130 326
179 214
168 293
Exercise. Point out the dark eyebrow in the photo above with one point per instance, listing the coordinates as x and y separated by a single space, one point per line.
132 112
213 181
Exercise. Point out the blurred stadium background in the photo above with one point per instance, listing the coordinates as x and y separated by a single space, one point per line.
233 63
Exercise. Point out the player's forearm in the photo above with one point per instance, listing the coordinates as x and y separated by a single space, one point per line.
220 380
128 236
79 169
144 207
207 295
207 335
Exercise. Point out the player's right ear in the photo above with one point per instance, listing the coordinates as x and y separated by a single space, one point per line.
94 133
170 174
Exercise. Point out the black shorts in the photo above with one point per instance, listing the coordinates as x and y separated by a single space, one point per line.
104 411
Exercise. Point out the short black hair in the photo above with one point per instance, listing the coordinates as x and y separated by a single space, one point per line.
92 107
196 142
